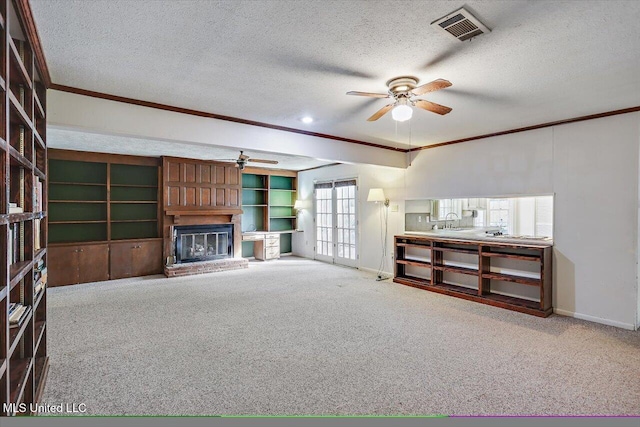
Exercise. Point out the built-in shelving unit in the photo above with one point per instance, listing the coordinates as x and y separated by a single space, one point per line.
23 218
268 197
96 200
512 276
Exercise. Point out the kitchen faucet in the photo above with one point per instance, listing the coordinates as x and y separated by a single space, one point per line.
447 216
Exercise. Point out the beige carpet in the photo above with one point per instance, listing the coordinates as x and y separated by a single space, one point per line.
295 336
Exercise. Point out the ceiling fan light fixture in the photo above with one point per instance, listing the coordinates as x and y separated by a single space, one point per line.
401 113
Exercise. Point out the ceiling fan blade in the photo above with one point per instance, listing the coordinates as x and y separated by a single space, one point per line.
381 112
243 157
271 162
432 106
431 87
373 95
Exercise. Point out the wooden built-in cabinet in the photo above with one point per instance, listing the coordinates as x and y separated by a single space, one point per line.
70 265
24 360
508 275
135 258
104 217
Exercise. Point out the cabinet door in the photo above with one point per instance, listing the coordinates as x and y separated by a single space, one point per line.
121 259
62 265
146 258
93 263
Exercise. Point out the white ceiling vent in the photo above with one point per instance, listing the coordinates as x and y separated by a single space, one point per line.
461 24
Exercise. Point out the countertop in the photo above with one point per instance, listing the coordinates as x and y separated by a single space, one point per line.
475 235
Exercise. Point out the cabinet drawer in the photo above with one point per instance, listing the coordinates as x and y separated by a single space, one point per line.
246 237
272 252
272 240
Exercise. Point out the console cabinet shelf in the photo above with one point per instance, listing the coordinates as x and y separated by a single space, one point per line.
512 276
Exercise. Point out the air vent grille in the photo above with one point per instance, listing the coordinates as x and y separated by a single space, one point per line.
461 24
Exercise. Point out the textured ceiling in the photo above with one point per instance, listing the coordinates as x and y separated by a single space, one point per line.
276 61
83 141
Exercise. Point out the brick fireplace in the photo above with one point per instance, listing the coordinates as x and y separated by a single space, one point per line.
201 222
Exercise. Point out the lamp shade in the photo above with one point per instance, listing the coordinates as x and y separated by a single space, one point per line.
376 195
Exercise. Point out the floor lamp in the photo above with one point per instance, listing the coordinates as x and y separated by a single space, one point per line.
377 195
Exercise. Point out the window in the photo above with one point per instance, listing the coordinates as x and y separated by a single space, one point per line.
501 214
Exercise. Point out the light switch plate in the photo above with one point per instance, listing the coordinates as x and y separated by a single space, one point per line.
394 208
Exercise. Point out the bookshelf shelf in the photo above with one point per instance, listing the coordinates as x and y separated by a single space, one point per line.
40 174
19 159
17 108
20 70
134 185
17 333
23 235
20 370
18 271
39 331
38 298
134 220
79 222
91 184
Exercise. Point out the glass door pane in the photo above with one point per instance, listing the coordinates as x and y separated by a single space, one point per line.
324 223
336 222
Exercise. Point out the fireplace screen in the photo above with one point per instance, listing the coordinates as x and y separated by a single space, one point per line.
200 243
204 245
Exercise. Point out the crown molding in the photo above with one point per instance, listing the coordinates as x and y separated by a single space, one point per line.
527 128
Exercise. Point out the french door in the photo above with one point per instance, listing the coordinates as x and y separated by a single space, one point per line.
336 222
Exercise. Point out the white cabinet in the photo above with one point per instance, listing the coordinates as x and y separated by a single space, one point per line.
266 246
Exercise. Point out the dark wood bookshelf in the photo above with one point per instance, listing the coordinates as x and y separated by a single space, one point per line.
97 201
23 151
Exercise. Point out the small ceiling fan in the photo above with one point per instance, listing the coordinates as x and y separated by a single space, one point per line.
242 160
402 90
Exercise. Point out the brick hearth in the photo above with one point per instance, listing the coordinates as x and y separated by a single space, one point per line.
204 267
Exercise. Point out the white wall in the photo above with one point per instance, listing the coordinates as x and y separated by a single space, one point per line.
596 218
390 179
591 166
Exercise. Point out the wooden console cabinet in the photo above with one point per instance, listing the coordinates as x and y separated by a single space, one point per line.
508 275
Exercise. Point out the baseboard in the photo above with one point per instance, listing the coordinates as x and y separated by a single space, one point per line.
629 326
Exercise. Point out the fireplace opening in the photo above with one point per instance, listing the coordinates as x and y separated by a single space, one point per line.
203 242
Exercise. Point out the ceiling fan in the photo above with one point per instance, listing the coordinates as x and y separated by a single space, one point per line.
402 90
242 160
